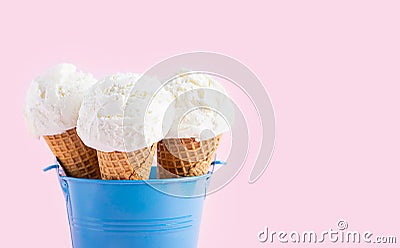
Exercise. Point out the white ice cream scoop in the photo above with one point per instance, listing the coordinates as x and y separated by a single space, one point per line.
113 113
54 98
203 109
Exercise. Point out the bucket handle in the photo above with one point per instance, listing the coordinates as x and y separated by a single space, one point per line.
63 182
50 167
215 162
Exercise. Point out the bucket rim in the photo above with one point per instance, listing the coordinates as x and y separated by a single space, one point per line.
132 182
128 182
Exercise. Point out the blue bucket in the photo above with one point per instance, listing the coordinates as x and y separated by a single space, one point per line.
152 213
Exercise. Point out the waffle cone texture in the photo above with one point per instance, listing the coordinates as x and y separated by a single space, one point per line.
185 156
77 160
134 165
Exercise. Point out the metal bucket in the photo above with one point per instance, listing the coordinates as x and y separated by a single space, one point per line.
152 213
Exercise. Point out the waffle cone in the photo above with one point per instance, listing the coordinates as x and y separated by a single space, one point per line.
77 160
134 165
185 156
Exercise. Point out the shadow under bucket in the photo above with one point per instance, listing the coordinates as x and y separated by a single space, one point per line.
151 213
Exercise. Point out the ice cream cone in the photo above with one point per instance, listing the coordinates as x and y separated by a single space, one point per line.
134 165
75 157
185 156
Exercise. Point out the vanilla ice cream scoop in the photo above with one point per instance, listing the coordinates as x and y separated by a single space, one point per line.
54 98
113 112
203 109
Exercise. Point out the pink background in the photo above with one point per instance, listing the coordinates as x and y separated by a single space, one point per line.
332 71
